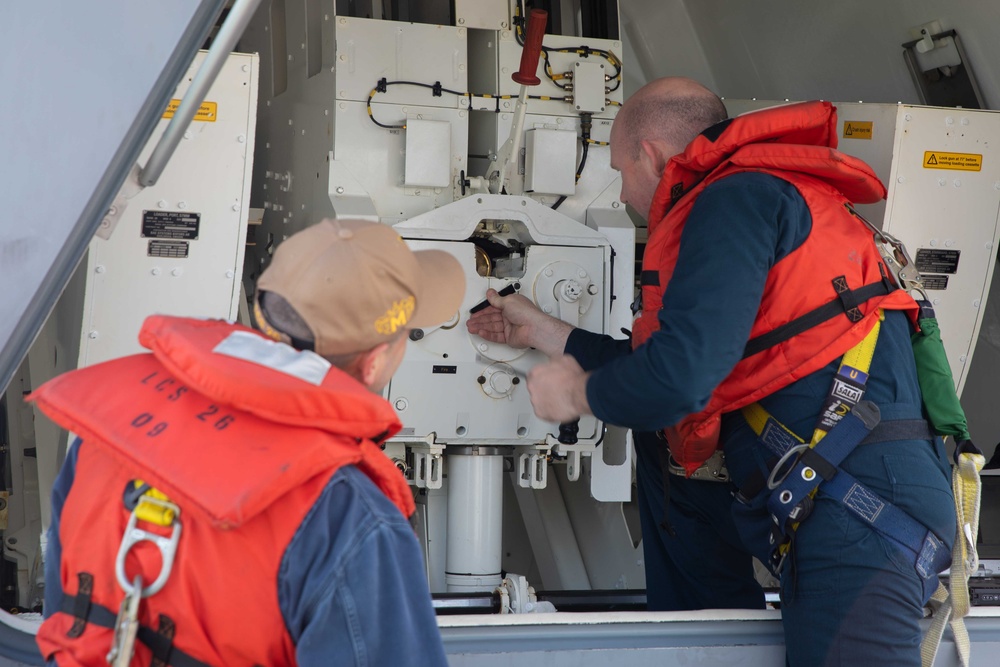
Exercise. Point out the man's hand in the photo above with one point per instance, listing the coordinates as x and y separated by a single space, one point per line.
559 390
514 320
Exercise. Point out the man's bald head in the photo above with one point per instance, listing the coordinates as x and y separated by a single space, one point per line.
673 110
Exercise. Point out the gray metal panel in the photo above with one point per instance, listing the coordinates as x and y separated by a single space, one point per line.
84 84
665 639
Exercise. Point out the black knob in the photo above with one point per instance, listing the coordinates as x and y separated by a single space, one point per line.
568 431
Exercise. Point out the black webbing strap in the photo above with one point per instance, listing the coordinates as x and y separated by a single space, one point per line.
165 630
160 642
664 452
844 302
80 609
649 278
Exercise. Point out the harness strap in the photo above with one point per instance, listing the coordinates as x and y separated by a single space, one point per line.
801 480
80 609
664 453
161 645
836 306
925 550
161 654
774 435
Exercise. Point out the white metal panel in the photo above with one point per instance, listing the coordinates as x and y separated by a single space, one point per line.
941 204
208 177
428 153
369 50
550 161
597 174
484 14
589 85
376 158
437 391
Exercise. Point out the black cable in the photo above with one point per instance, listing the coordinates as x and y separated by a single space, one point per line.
586 122
382 85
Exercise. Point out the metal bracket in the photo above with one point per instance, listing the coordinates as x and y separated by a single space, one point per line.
533 468
427 466
516 596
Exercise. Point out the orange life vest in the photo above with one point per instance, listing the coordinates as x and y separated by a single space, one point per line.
838 262
231 428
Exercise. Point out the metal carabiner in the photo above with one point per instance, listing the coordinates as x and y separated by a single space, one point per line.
796 451
166 545
904 271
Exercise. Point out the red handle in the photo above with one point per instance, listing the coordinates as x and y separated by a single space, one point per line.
526 76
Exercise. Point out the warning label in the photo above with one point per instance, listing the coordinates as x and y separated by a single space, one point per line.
170 225
858 129
207 112
959 161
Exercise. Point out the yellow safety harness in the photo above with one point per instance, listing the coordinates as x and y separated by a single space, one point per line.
948 608
855 362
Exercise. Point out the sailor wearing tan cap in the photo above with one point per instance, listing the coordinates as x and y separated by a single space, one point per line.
296 546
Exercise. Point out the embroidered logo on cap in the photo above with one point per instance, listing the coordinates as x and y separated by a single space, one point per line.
397 316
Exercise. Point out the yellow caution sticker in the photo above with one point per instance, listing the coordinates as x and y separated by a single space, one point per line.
960 161
207 112
858 129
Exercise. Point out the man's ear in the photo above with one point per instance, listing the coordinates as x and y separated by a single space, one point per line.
654 155
370 364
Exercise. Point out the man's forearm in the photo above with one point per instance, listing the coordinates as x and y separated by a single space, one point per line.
550 335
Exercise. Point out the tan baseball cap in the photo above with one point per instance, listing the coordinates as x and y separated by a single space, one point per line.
355 284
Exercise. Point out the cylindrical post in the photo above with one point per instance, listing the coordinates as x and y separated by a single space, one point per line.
475 515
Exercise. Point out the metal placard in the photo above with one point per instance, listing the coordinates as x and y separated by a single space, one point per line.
169 249
934 282
933 260
170 225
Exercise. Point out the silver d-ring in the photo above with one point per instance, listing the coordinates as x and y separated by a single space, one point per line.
773 481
